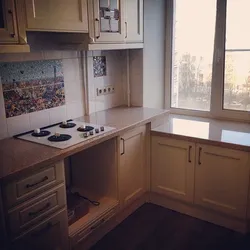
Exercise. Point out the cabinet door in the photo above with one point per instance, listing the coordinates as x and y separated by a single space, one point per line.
8 27
57 15
134 21
132 171
221 180
51 234
172 168
107 21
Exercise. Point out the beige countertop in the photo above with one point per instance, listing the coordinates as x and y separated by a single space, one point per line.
234 135
18 155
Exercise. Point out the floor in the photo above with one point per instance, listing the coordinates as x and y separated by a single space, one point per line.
155 228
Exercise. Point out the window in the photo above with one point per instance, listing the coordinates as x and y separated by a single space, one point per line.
208 58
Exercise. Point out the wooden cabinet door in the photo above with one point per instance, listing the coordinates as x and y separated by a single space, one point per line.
134 21
51 234
221 179
106 21
172 168
132 169
8 27
57 15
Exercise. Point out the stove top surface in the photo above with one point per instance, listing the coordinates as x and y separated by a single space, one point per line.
72 134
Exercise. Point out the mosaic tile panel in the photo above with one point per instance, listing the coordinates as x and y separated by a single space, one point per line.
99 66
32 86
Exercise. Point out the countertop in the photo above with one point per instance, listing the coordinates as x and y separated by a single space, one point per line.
235 135
17 155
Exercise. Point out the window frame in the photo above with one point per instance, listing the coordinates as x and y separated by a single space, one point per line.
217 84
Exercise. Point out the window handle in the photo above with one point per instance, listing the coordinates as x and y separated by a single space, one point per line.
13 35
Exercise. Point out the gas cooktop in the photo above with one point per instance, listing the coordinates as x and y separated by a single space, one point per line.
65 134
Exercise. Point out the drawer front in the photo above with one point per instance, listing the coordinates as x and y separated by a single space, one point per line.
82 235
51 234
31 185
29 213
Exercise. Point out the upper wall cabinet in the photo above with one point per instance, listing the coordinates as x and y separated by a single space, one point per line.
12 36
106 21
134 21
57 15
8 25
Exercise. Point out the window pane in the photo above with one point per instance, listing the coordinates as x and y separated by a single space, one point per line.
193 45
237 81
237 56
237 35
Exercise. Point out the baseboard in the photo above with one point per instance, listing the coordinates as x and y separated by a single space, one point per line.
199 213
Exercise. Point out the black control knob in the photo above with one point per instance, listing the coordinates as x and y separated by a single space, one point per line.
97 130
91 132
102 128
85 135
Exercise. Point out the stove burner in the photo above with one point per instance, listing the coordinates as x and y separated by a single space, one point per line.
61 137
67 125
42 133
85 129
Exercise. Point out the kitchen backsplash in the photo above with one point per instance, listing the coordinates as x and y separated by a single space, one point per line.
36 85
38 89
61 97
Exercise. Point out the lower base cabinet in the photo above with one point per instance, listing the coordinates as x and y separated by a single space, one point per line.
204 176
132 169
51 234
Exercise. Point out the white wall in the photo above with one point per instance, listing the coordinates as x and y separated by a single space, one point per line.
154 53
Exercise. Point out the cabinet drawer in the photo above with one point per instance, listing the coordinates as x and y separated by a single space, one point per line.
83 234
28 186
50 234
29 213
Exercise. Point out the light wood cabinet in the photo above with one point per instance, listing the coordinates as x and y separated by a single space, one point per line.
106 21
132 168
8 24
172 168
49 234
134 21
221 180
57 15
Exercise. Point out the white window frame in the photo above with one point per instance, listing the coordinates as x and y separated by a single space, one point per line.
217 84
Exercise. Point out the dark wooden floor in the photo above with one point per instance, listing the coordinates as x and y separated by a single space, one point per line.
155 228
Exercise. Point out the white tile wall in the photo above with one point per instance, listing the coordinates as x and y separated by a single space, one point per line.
74 97
116 69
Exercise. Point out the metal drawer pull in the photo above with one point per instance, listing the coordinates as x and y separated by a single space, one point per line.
40 210
45 229
98 224
189 154
199 160
13 35
37 183
123 146
99 28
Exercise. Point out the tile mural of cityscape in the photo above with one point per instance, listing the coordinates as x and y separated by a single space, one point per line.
32 86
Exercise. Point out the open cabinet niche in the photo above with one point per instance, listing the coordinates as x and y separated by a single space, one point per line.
92 174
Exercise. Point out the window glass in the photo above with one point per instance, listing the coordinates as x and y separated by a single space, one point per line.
193 45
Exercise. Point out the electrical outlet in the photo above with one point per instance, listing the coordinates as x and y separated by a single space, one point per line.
110 89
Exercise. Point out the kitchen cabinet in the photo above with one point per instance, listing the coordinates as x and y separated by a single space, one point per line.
132 167
134 21
172 168
49 234
57 15
8 23
106 19
221 179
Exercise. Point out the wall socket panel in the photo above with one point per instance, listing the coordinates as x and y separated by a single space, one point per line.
110 89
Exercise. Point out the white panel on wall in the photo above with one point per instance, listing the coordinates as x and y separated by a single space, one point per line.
18 124
153 53
39 119
74 110
57 114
